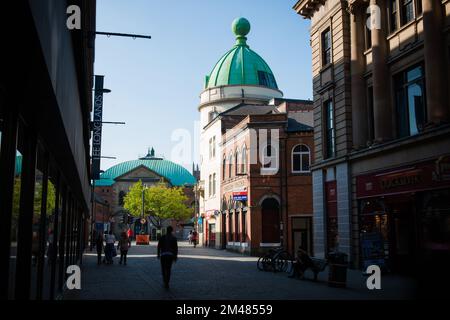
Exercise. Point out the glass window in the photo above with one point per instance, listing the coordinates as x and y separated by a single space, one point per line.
326 47
50 243
214 184
407 11
300 158
15 211
238 162
210 185
410 101
39 225
393 25
266 79
370 123
244 160
224 168
329 129
230 166
368 34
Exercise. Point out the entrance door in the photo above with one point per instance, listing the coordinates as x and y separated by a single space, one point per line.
212 235
402 236
270 221
301 234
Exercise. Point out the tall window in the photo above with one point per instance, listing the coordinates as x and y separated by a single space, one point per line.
370 124
403 11
329 129
212 147
214 184
410 101
407 11
368 34
393 11
224 168
238 162
121 198
300 159
210 185
230 166
326 47
244 160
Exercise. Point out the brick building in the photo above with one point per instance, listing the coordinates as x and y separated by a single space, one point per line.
381 175
265 184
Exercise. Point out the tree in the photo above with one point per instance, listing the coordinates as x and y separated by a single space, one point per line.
160 202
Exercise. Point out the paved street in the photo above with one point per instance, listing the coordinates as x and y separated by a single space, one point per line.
203 273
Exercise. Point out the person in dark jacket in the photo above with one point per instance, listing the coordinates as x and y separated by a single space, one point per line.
167 253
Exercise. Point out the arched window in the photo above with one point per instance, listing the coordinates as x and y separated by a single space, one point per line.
121 198
224 168
237 162
301 158
230 166
244 160
269 157
270 215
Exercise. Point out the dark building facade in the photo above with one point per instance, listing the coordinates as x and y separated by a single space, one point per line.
45 105
381 178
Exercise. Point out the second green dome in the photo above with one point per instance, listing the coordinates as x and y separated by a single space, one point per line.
241 65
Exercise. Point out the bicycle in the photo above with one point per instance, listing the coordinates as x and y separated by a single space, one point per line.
276 260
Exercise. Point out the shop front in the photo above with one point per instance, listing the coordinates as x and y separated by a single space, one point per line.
404 215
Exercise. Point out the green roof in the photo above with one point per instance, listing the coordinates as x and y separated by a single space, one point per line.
174 173
241 65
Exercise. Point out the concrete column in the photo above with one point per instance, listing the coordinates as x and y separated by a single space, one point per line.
437 107
381 103
358 85
344 208
319 221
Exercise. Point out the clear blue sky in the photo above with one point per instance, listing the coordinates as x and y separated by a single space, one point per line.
156 83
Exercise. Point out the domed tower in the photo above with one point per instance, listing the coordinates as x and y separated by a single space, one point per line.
241 75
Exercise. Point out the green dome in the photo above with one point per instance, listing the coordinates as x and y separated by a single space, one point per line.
241 65
174 173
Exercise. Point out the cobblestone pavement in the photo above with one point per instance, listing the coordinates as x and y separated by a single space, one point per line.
203 273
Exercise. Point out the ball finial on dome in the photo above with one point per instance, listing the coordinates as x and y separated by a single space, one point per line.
240 27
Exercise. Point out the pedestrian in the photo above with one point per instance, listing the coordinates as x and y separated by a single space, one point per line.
124 245
190 237
194 238
99 245
110 240
167 253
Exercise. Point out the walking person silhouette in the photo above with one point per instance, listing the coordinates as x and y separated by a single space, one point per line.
167 253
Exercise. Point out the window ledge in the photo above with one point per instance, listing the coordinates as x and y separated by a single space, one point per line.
399 30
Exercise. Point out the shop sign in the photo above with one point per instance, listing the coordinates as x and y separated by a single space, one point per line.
420 177
240 196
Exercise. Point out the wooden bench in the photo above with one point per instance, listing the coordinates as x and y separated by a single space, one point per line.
316 265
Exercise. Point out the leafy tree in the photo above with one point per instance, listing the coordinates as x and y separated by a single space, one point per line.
160 202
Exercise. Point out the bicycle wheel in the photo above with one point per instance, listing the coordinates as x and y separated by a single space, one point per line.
259 264
283 262
267 264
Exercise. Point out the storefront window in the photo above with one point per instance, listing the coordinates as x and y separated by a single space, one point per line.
39 224
15 213
374 233
436 221
49 250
